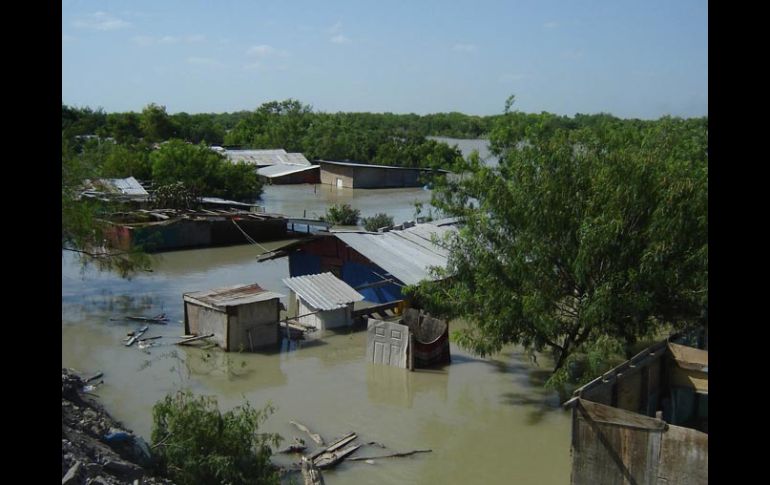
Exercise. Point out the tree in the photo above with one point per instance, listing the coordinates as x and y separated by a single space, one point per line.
156 123
377 221
578 236
342 215
196 443
204 171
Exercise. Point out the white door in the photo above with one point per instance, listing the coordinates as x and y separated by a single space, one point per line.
387 343
339 183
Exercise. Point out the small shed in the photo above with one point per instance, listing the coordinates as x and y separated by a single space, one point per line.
241 317
322 300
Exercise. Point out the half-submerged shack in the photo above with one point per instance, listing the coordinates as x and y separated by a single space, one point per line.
171 229
241 317
376 264
365 176
645 421
322 301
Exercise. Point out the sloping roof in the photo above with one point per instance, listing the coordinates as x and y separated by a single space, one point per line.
279 170
126 186
266 157
364 165
323 291
231 296
406 254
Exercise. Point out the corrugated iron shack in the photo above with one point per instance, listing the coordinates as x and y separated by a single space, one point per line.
241 317
170 229
378 264
322 301
644 422
364 176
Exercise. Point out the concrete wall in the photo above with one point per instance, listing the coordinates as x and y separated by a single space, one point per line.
330 173
260 319
203 321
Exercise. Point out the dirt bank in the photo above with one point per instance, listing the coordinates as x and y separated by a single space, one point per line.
96 449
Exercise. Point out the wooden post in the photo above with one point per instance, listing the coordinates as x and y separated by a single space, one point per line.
411 351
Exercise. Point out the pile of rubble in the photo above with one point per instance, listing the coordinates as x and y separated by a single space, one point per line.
96 449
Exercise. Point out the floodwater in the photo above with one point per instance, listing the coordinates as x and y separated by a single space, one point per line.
487 420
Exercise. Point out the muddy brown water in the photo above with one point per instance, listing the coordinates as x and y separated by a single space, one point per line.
486 420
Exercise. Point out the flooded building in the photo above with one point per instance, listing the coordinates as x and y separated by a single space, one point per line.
645 421
286 174
241 317
322 301
264 158
376 264
362 176
171 229
115 190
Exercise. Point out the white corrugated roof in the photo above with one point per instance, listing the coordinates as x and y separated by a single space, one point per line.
366 165
232 295
266 157
281 170
406 254
323 291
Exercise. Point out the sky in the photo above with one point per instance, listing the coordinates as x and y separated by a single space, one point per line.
633 59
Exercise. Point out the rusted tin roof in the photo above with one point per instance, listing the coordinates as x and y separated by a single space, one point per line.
231 296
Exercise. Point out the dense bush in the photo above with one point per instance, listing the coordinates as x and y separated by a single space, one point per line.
377 221
342 215
197 444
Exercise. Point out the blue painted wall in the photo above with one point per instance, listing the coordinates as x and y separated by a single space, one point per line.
354 274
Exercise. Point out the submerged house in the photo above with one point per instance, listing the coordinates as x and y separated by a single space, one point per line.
375 264
322 301
363 176
121 190
276 166
645 421
172 229
241 317
287 174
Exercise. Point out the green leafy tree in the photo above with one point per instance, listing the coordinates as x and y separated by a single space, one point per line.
578 236
342 215
204 171
156 124
195 443
377 221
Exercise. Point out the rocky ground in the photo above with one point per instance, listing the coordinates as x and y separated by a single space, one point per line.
96 449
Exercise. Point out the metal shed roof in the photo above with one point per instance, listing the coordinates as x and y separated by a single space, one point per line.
406 254
323 291
266 157
279 170
126 186
231 296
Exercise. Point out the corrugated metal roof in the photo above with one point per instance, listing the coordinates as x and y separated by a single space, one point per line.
406 254
323 291
232 295
266 157
364 165
126 186
281 170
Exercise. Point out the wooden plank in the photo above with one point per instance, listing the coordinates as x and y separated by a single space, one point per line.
314 436
332 459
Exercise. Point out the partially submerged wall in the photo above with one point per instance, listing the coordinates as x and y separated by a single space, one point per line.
613 446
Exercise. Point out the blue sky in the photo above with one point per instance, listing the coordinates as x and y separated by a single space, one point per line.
640 59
